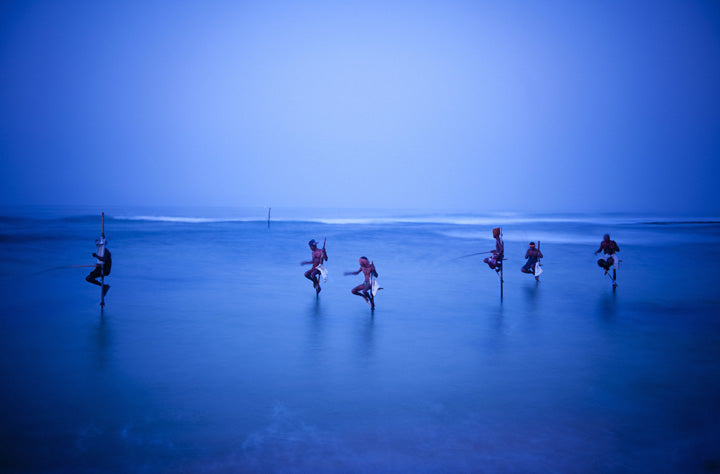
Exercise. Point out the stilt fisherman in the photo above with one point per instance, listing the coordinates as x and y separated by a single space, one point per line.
532 255
608 247
318 269
494 261
365 289
102 265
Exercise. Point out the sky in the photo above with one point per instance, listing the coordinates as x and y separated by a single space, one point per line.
546 106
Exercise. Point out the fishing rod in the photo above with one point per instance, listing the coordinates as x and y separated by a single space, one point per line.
472 255
61 268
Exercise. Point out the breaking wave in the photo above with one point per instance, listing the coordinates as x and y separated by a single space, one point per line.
467 220
460 220
186 220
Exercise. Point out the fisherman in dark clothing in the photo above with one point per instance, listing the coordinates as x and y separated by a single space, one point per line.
608 247
495 260
532 256
102 265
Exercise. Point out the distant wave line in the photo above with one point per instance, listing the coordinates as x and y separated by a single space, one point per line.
187 220
451 220
460 221
693 222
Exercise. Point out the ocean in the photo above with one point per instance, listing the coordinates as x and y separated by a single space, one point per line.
213 353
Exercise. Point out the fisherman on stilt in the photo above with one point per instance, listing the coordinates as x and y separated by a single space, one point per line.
102 265
365 289
318 270
494 261
609 248
532 255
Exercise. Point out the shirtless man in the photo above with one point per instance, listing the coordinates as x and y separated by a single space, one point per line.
607 247
365 289
318 257
495 260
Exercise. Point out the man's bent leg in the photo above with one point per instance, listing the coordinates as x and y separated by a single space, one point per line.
367 293
96 273
357 291
312 276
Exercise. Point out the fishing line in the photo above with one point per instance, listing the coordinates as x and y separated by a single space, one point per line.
61 268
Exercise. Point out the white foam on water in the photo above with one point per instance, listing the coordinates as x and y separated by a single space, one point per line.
500 219
185 220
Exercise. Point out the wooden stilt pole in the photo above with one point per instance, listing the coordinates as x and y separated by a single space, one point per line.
502 280
614 278
269 209
102 265
502 266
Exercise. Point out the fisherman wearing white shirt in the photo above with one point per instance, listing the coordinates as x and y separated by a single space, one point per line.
102 265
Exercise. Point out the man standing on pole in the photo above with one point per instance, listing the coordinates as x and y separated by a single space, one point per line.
318 257
494 261
102 265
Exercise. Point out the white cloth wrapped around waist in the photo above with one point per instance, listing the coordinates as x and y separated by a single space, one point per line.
323 272
615 258
374 286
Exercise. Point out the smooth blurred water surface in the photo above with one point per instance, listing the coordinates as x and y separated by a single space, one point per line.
214 355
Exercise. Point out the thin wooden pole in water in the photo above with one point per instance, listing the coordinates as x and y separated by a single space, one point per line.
502 280
102 265
269 209
502 266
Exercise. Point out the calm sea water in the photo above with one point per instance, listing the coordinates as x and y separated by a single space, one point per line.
214 355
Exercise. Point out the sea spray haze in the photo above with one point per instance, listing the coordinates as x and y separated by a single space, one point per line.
213 353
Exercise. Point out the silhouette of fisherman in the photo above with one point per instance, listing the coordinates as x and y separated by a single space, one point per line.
607 247
102 265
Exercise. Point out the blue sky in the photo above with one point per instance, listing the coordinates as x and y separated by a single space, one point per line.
483 106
